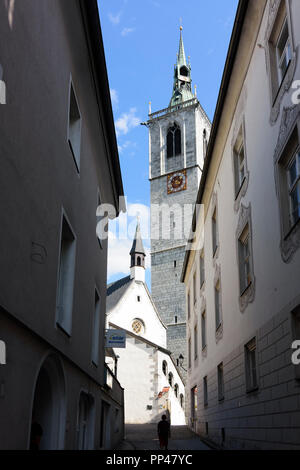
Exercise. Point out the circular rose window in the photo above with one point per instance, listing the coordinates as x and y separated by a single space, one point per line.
137 327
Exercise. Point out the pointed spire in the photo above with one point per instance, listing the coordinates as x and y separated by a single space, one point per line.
182 90
181 60
137 256
137 245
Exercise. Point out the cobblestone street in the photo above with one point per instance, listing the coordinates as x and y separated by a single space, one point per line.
144 437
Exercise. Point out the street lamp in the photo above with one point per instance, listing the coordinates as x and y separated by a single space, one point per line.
181 359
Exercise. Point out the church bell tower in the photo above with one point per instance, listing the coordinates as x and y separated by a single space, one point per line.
178 137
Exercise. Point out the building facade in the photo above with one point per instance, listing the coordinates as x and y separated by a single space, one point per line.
178 138
59 162
242 278
152 384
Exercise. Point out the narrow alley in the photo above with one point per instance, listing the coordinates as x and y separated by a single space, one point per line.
144 437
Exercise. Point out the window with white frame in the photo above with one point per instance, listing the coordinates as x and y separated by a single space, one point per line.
245 260
220 382
287 168
203 329
74 129
202 268
214 232
66 275
195 342
283 51
218 304
205 391
293 184
239 162
251 366
280 48
96 330
245 257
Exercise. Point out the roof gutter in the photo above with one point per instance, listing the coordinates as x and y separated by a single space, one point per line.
230 59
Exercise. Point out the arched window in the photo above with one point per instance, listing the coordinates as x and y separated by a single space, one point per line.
176 390
173 141
184 71
171 379
181 400
165 367
139 261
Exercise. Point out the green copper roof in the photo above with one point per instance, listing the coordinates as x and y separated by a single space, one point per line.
181 60
182 90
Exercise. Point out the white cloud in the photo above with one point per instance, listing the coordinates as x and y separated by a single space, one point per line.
127 145
119 259
126 31
114 97
127 121
120 237
118 256
115 19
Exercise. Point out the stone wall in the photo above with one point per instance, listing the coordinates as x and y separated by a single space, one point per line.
268 418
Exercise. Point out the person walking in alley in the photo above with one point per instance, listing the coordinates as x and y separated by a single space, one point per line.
163 430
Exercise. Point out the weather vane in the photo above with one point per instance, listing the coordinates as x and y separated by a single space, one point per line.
180 21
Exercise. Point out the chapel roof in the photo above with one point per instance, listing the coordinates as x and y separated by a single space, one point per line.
116 290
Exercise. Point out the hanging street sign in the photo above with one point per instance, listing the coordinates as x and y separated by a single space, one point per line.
115 339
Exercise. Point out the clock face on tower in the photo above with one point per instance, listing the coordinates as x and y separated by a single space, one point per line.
176 181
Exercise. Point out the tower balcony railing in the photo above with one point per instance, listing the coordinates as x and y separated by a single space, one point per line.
176 107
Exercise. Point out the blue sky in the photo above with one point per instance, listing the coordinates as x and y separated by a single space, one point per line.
141 39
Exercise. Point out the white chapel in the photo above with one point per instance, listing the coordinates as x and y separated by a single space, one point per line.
153 385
